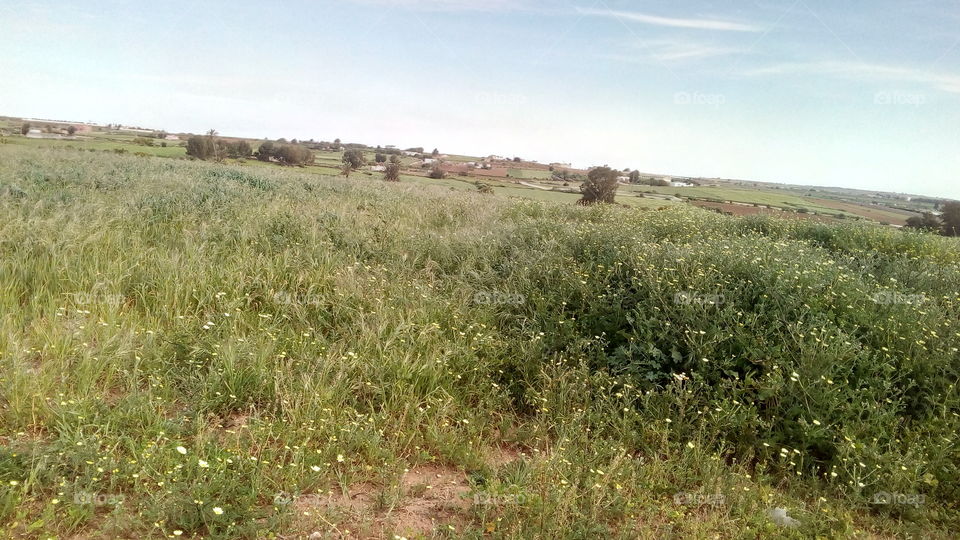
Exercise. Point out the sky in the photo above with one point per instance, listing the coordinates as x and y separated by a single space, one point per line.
860 94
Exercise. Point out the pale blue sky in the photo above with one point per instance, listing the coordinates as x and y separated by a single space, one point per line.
857 93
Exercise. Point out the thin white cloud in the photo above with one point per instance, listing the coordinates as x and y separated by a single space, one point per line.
698 24
452 5
947 82
679 51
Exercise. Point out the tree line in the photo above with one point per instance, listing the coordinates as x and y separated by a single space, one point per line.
946 224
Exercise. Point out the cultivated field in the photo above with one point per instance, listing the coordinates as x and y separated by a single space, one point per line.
224 351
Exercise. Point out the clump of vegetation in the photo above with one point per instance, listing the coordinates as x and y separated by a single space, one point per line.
229 352
392 173
600 186
947 223
437 172
353 158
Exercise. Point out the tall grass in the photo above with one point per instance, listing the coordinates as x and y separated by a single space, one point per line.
181 341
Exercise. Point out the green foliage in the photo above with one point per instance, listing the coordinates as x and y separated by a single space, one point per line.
437 172
927 222
305 335
951 218
353 158
25 128
392 174
600 186
200 147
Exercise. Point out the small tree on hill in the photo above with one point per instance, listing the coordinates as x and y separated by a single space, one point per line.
600 186
25 128
437 173
266 151
436 152
380 158
635 177
200 147
71 130
392 173
353 158
395 159
951 219
347 169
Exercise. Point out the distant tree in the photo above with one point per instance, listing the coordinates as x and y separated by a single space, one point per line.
392 173
71 130
927 222
600 186
437 173
239 149
266 151
161 135
336 144
353 158
380 158
25 128
218 150
417 150
395 159
200 147
517 160
951 219
295 155
294 141
347 169
436 152
635 177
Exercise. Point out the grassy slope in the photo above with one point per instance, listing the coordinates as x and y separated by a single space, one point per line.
316 336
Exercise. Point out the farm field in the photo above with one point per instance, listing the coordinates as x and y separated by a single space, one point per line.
201 350
888 215
767 198
328 163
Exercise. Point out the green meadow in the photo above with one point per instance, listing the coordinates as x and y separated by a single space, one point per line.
202 350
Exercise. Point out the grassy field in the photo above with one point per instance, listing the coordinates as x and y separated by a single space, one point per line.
748 196
529 174
219 351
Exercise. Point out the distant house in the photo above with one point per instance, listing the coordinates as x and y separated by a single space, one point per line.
680 184
623 179
378 168
429 161
172 138
34 134
409 153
